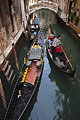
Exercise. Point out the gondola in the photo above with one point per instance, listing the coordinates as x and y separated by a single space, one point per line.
27 83
61 61
33 30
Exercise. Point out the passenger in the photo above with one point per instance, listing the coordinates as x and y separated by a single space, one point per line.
51 48
50 41
56 43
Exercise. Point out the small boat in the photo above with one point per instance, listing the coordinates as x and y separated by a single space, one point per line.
26 85
61 61
33 30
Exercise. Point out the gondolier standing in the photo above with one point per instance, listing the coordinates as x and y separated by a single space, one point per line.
55 43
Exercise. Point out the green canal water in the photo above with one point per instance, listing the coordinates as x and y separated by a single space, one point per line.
58 96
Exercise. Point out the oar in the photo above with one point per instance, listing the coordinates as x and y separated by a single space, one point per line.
70 64
70 58
67 59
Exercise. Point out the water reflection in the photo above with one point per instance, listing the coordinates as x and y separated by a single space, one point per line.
58 97
67 95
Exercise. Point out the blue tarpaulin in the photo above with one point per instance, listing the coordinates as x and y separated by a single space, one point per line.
41 39
36 21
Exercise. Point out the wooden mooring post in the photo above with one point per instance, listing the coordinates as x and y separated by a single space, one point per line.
24 28
15 56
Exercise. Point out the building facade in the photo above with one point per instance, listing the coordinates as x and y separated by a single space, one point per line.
12 15
74 15
69 11
72 12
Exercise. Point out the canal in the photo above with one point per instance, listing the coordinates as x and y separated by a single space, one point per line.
58 96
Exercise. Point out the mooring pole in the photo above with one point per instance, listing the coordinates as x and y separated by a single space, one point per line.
15 56
24 28
27 19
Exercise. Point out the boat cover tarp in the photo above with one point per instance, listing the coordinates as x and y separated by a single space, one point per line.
32 73
36 21
35 52
41 40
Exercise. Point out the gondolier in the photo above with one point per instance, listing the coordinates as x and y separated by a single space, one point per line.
58 56
55 44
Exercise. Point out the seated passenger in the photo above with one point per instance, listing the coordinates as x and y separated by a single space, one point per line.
50 42
58 48
51 48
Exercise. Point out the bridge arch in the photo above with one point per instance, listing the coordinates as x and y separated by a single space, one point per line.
39 4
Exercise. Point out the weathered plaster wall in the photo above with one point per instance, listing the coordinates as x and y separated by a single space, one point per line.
12 15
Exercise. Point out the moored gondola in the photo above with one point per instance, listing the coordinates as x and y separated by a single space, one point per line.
27 83
33 30
61 60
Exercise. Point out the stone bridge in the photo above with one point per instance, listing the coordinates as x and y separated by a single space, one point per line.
46 4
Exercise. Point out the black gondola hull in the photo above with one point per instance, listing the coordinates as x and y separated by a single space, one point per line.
19 105
70 73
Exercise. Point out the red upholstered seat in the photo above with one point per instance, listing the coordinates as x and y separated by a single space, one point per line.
58 49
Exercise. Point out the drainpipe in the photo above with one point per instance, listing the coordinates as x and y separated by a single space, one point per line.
70 4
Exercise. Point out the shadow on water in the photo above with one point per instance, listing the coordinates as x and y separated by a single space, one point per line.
67 96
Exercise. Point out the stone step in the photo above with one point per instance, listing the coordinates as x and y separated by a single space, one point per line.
13 79
5 66
2 95
10 76
8 70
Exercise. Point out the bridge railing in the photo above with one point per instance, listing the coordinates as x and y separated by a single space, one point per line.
43 1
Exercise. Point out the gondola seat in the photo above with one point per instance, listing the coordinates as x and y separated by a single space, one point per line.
28 63
35 53
38 64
